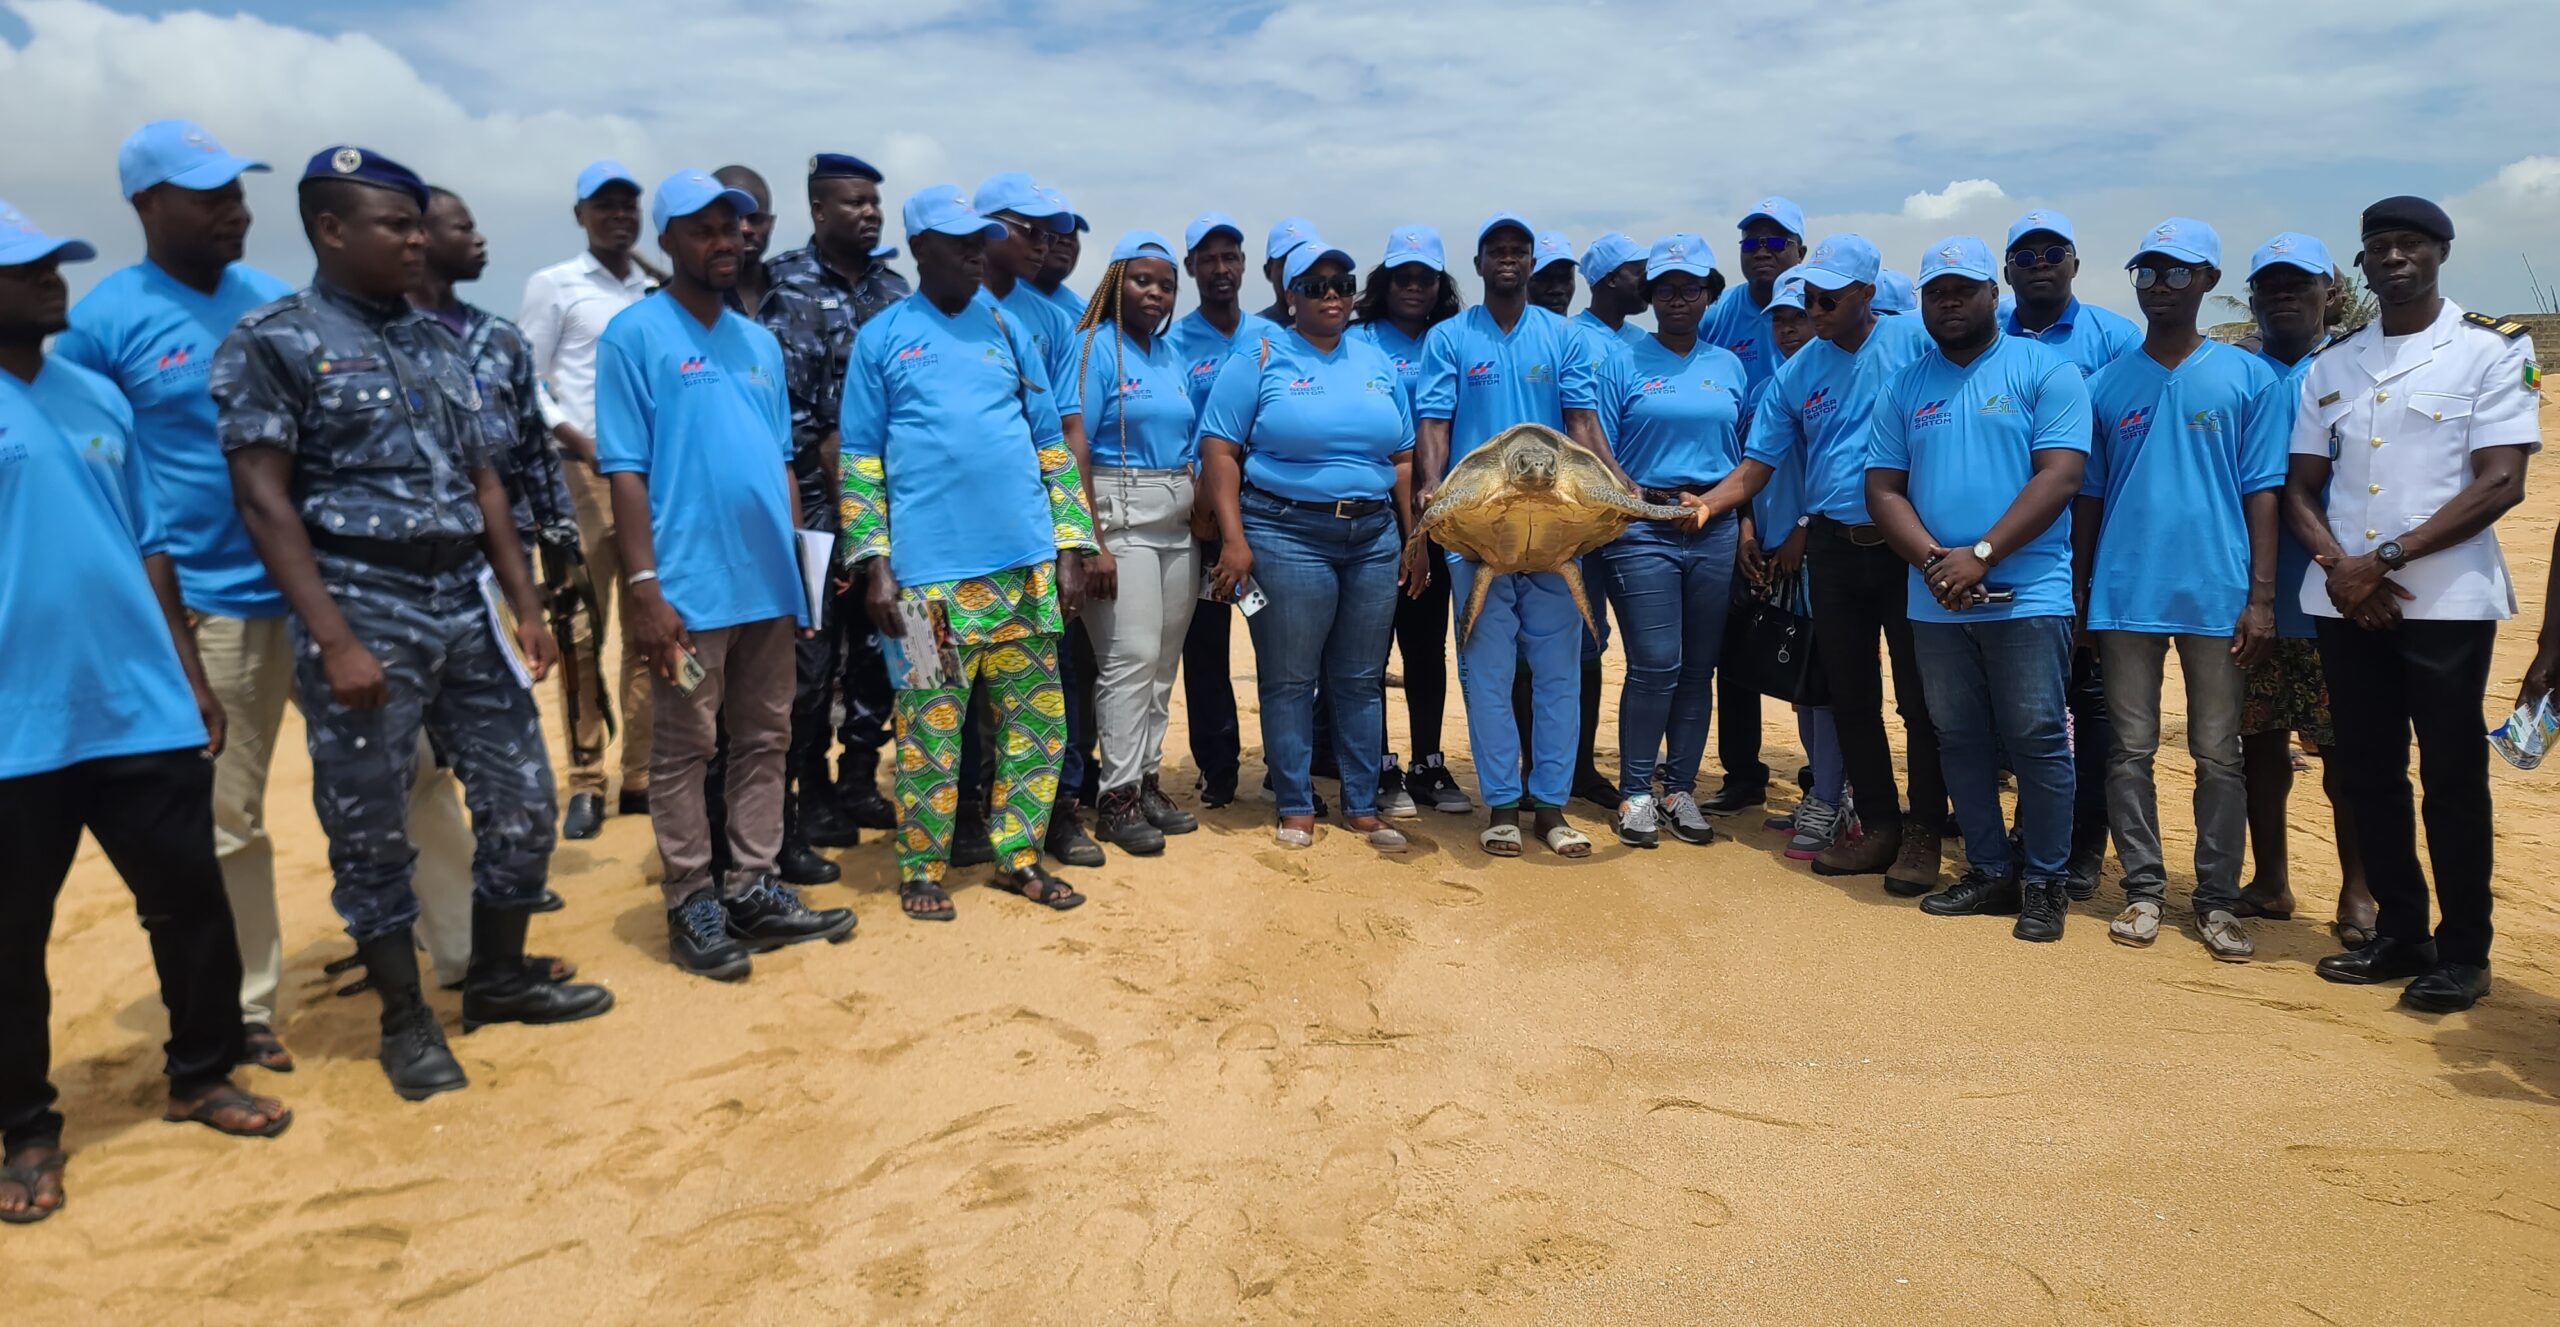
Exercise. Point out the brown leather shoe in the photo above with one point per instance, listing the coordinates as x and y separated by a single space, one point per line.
1866 854
1915 868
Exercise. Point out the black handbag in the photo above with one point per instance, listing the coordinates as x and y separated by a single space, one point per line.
1772 644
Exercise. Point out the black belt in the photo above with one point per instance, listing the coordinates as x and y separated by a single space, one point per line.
1343 510
424 557
1868 535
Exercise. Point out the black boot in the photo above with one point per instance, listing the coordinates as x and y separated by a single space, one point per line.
413 1052
504 986
1067 840
970 843
1161 811
858 794
820 816
797 862
1122 822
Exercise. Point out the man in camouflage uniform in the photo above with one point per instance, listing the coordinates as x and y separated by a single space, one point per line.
822 293
361 459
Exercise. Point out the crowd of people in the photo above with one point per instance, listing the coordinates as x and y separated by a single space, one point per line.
981 526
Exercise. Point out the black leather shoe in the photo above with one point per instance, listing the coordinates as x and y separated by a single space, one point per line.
632 803
1161 811
971 845
825 823
869 810
413 1054
1067 840
2041 905
800 864
585 817
1217 790
1591 786
770 915
2388 958
548 900
1121 821
1735 798
698 939
2448 988
1975 895
504 986
2080 877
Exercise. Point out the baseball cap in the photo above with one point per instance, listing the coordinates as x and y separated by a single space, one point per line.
598 174
1142 244
940 208
1840 260
1788 290
1682 252
1500 219
1012 191
689 191
1073 216
1308 254
2044 219
1956 255
1407 245
1781 210
2183 238
176 152
1287 233
364 166
1895 292
842 166
1550 249
1207 224
21 243
1615 250
2292 248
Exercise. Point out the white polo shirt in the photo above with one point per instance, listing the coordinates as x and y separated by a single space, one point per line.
566 306
2399 417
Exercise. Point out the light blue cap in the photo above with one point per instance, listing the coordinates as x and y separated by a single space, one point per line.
939 208
1308 254
1895 292
689 191
1142 244
598 174
1781 210
1501 219
1207 224
2044 219
2183 238
176 152
1615 250
1682 252
21 243
1957 255
1287 233
2293 249
1841 260
1073 216
1551 248
1012 191
1410 244
1787 292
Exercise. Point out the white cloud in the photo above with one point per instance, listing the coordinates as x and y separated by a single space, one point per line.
1959 197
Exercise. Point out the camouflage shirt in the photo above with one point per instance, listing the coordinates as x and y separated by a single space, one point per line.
374 400
814 311
528 461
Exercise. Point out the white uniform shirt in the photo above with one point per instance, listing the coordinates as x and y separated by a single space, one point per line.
2399 419
566 306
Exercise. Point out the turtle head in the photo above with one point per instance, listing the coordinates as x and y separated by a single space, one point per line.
1530 464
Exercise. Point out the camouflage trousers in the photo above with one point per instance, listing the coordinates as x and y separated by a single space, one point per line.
1023 692
444 674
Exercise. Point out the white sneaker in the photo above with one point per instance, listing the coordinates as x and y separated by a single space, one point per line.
1640 822
1688 822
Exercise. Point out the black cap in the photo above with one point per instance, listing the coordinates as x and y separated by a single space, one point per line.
365 167
841 166
2408 212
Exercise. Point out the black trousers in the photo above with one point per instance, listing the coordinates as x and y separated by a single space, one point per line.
1859 591
1209 689
2427 678
1738 712
1422 643
869 701
153 816
2093 738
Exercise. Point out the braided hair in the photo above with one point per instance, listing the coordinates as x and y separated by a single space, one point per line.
1104 307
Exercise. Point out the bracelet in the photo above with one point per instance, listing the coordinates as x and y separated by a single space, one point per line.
641 577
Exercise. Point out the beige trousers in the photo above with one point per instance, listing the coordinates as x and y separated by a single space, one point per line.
604 564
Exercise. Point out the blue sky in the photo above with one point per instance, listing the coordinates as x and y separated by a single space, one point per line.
1906 120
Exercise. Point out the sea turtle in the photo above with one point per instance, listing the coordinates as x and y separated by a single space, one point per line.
1532 499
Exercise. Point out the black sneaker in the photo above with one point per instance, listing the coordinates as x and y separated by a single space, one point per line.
2040 911
2080 878
1067 840
585 817
1735 798
971 845
1974 895
698 939
770 915
1161 811
1394 801
1122 822
1431 785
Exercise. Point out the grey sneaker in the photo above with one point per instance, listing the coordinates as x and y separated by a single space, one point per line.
1640 822
2224 937
1688 822
1394 802
1817 827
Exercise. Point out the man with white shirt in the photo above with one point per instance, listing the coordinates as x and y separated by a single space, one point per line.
2409 442
566 307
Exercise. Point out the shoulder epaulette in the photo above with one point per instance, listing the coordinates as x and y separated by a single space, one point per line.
2506 327
270 309
2335 342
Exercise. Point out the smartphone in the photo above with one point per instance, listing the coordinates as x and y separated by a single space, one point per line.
1995 596
1251 601
689 672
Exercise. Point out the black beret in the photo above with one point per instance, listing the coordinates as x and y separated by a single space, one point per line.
365 167
2408 212
841 166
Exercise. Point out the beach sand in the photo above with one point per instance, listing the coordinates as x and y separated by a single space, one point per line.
1693 1085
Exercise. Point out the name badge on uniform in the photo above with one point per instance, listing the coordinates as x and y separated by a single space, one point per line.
350 364
2330 399
829 303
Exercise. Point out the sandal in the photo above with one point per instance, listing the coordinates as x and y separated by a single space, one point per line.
29 1178
937 904
1500 840
2275 905
207 1110
266 1049
1034 882
2352 935
1566 841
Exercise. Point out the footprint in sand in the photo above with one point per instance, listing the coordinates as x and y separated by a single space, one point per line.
1457 894
898 1280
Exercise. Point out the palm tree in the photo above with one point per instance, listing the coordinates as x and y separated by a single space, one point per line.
2353 307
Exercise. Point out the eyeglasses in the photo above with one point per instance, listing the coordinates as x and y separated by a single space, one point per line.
1312 286
1766 243
1413 276
1667 291
2049 256
1827 303
1014 222
2175 278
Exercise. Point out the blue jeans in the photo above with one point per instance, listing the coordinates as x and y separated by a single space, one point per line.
1526 618
1331 583
1821 739
1999 686
1672 589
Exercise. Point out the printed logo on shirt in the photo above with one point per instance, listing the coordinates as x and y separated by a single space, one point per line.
175 356
1745 350
1821 403
695 371
1378 386
1931 415
180 363
1537 374
1305 387
1404 367
11 451
1136 389
920 356
2135 426
2205 421
755 374
1483 374
2002 404
1205 368
1657 387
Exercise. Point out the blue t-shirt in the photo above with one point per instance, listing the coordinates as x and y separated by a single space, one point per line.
1607 348
1050 328
1203 349
1674 419
1484 380
153 337
1780 503
2173 455
1144 389
1405 352
90 671
2293 561
1742 327
1816 409
2088 336
1968 436
958 412
702 412
1315 427
1070 301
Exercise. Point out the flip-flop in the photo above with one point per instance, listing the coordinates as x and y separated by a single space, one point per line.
2352 935
1566 841
266 1050
27 1177
931 893
208 1107
1054 894
1500 840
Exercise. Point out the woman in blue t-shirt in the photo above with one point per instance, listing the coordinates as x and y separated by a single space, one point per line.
1674 405
1307 448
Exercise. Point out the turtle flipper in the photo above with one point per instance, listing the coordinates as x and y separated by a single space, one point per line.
1475 603
1571 571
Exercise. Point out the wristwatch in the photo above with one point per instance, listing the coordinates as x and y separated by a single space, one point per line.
1982 552
2392 555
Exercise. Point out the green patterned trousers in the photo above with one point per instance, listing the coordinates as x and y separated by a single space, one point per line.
1030 706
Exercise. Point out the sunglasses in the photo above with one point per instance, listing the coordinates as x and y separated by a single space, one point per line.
2175 278
1826 303
1413 276
1317 287
2051 256
1765 243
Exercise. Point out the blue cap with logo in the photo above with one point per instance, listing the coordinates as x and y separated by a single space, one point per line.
842 166
1308 254
1612 251
1287 233
1410 244
177 152
941 209
2292 248
365 166
1895 293
1774 208
1682 252
1207 224
2042 219
1012 191
1957 255
689 191
598 174
1550 249
1840 260
1787 292
1075 218
1142 244
1501 219
21 243
2183 238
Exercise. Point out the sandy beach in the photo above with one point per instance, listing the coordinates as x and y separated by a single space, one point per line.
1243 1085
